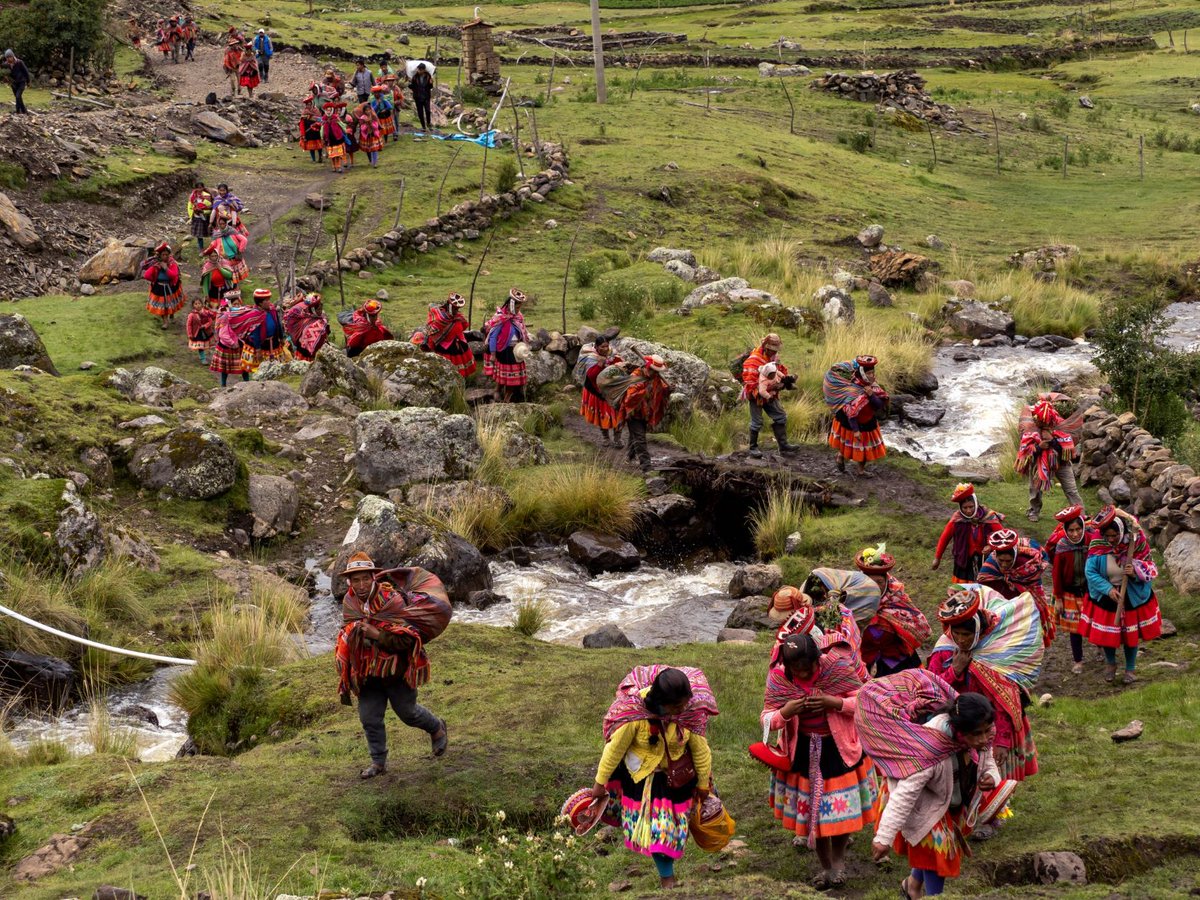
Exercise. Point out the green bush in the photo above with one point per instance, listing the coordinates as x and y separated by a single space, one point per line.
41 32
622 302
506 175
587 270
530 617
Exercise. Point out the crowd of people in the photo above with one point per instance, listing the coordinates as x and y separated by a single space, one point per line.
866 736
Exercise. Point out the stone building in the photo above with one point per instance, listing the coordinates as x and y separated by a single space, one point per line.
479 58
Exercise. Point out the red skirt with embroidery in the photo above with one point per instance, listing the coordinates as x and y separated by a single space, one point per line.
165 300
596 412
1099 626
225 361
460 356
857 446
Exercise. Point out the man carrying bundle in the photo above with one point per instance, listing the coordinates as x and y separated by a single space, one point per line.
381 658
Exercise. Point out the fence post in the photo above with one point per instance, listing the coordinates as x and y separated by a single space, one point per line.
1065 143
1141 157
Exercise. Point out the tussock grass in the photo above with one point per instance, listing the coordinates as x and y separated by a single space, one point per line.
781 515
772 264
112 590
281 606
493 468
904 353
46 752
713 435
1008 452
559 499
1039 307
530 617
44 599
105 738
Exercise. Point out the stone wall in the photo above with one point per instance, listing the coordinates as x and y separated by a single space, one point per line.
464 222
1135 471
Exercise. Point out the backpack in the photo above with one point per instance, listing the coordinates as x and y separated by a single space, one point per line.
736 367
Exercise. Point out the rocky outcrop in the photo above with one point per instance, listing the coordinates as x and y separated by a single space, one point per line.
522 448
394 536
903 91
78 537
258 400
714 292
977 320
20 345
665 255
837 306
18 226
150 386
118 259
751 613
189 463
1043 259
335 374
896 268
753 579
274 502
395 448
207 123
412 377
605 637
602 552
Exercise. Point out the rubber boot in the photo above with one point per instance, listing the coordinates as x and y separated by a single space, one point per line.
616 442
781 438
604 437
753 450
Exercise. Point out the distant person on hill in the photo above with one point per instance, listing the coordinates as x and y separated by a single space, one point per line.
1046 453
370 134
644 406
248 76
231 63
310 130
175 28
362 81
381 103
162 38
166 284
19 78
856 400
380 655
421 87
363 327
333 134
190 33
656 762
761 390
263 51
199 210
505 330
969 529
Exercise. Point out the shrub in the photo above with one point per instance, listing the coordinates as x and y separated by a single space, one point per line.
473 95
586 270
530 617
622 302
42 31
1061 106
516 866
506 175
559 499
587 310
781 515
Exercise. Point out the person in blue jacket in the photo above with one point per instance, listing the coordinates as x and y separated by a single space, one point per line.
263 51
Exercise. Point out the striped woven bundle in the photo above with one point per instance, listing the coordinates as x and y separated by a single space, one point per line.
890 710
1012 648
840 387
852 589
630 706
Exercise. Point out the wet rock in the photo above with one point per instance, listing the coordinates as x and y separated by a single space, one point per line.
1049 343
1183 562
118 259
1059 867
189 463
78 537
736 634
606 637
666 254
977 320
602 552
966 356
412 377
871 236
1130 732
274 502
18 226
150 386
333 373
667 509
924 384
41 682
108 892
20 345
399 536
485 599
925 415
755 578
751 613
395 448
60 851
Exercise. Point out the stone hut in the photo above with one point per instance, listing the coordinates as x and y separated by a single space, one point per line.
480 61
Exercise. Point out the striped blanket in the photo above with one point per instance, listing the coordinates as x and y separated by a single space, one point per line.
630 706
843 390
852 589
889 716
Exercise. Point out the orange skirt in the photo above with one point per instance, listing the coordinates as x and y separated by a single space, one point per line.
857 446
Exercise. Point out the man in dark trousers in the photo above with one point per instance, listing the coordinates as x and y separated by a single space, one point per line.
20 78
421 88
263 51
362 81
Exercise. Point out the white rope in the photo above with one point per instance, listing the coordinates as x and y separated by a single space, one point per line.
80 640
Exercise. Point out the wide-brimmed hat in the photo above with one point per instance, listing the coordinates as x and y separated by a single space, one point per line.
786 601
1005 539
1070 514
962 491
583 811
262 294
772 340
359 563
372 306
961 604
874 561
655 363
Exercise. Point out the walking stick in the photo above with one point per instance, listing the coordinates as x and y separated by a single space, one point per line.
1121 612
338 257
478 268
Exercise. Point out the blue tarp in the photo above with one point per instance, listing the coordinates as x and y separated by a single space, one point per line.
487 139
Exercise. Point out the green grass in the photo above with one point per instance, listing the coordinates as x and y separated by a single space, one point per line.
772 523
117 174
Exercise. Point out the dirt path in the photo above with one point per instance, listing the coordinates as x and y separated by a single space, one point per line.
291 74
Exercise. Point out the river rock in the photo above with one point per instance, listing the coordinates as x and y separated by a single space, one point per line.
687 374
398 536
189 463
485 599
606 637
736 634
258 399
667 509
1049 343
333 373
755 578
78 537
965 355
274 502
871 236
150 386
544 367
18 226
1183 561
412 377
1130 732
118 259
395 448
751 613
714 292
217 128
602 552
1059 867
978 320
20 345
925 415
42 682
666 254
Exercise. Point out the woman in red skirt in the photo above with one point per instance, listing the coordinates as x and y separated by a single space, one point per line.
370 134
594 359
310 131
856 399
1121 609
248 76
166 285
445 330
1068 552
200 322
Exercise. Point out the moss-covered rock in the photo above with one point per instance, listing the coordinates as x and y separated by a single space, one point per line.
402 447
412 377
20 345
188 463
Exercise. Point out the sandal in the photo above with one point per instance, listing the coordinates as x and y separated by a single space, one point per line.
1128 678
904 894
440 743
821 881
1110 674
373 769
1077 669
838 877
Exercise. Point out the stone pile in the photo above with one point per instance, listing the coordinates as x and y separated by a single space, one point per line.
1138 473
480 60
465 222
903 90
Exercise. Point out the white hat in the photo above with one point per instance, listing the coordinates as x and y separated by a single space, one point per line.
769 370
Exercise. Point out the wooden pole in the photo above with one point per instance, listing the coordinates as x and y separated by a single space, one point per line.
598 53
274 257
550 79
399 206
317 237
457 150
633 86
996 128
791 106
337 250
71 73
537 142
1141 157
346 226
1066 143
932 145
566 274
292 263
483 173
1171 38
707 99
478 269
517 136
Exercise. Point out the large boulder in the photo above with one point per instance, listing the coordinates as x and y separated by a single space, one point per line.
1183 562
412 377
42 682
544 367
755 578
116 260
399 536
751 612
715 292
258 399
444 498
978 320
150 386
871 236
395 448
189 463
18 226
666 254
79 537
21 346
606 637
837 306
687 374
1059 867
522 448
334 373
274 502
602 552
217 128
1043 259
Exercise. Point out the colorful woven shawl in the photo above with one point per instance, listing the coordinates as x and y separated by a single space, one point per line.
236 322
1008 656
646 397
307 328
971 532
630 706
889 716
1025 577
901 615
842 387
1133 546
444 327
851 589
505 328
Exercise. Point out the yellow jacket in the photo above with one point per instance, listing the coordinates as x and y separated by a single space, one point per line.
631 742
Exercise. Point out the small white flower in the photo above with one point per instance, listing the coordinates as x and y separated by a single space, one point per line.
529 838
502 840
508 864
558 857
500 816
462 891
421 882
479 861
558 837
571 841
